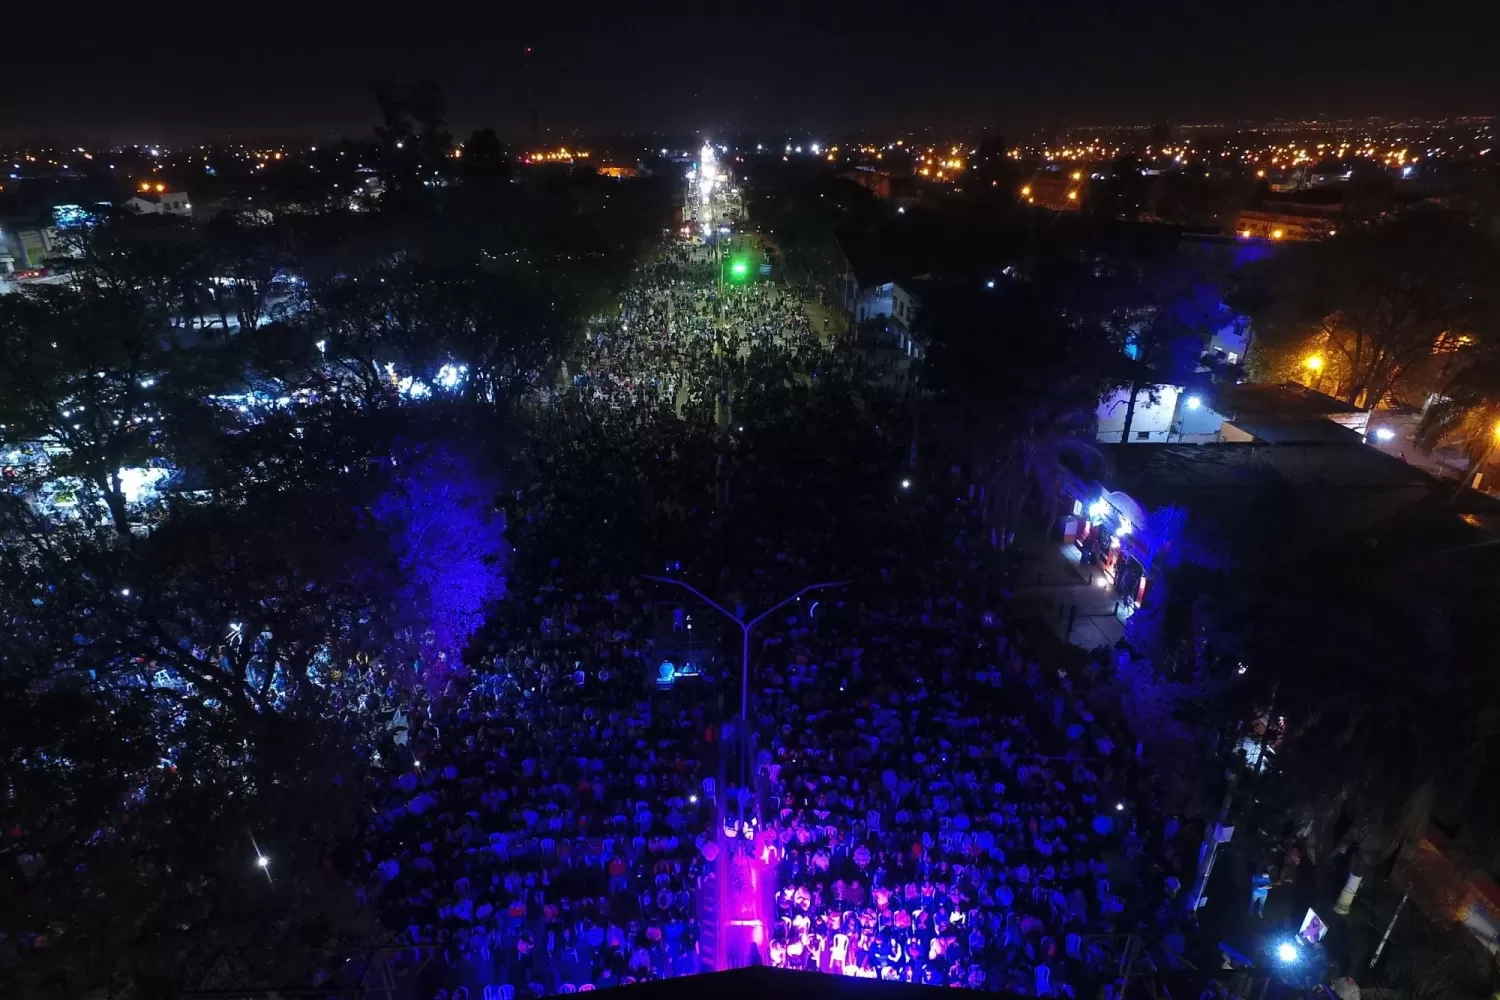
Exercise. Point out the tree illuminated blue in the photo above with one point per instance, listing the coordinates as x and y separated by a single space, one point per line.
439 514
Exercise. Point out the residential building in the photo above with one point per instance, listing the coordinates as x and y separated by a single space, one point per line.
877 182
160 203
27 246
904 308
1151 421
1116 518
1224 413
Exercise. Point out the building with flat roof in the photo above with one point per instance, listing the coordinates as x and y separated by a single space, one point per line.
1254 499
160 203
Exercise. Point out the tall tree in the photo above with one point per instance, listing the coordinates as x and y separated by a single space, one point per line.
413 130
247 263
1159 315
1466 413
486 157
1035 447
91 393
1015 388
1378 298
155 259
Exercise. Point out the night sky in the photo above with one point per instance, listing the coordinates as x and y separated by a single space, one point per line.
171 72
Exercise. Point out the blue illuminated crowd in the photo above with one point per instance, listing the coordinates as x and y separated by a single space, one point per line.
938 807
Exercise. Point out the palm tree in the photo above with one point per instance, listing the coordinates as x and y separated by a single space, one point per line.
1027 457
1467 414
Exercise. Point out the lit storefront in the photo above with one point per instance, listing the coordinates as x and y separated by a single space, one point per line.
1105 532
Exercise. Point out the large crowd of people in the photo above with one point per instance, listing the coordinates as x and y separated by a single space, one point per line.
682 329
929 802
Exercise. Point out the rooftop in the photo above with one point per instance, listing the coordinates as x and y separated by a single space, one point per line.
1264 498
1289 400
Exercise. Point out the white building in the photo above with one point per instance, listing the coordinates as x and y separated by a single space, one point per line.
904 308
161 203
1155 408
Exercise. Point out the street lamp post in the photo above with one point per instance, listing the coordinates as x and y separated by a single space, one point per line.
746 627
1314 364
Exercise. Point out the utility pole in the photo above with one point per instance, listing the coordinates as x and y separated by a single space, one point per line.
1388 928
746 627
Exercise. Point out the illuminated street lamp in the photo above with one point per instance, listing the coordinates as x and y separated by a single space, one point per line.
746 627
1314 364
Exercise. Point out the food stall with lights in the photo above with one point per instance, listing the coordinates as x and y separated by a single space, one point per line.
1104 530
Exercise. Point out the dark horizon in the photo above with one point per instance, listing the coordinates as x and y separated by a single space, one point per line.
189 74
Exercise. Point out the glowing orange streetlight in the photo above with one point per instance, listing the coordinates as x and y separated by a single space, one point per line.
1314 364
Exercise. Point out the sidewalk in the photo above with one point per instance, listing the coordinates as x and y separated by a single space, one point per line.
827 322
1051 586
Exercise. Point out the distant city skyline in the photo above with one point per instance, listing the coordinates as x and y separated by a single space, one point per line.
306 69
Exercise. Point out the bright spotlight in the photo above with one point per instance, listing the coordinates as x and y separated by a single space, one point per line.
693 799
1287 952
906 484
1193 402
263 861
1384 434
1119 807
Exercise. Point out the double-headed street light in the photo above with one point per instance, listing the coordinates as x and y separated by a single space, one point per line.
746 627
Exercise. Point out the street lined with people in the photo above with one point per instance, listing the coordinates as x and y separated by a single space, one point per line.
936 805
